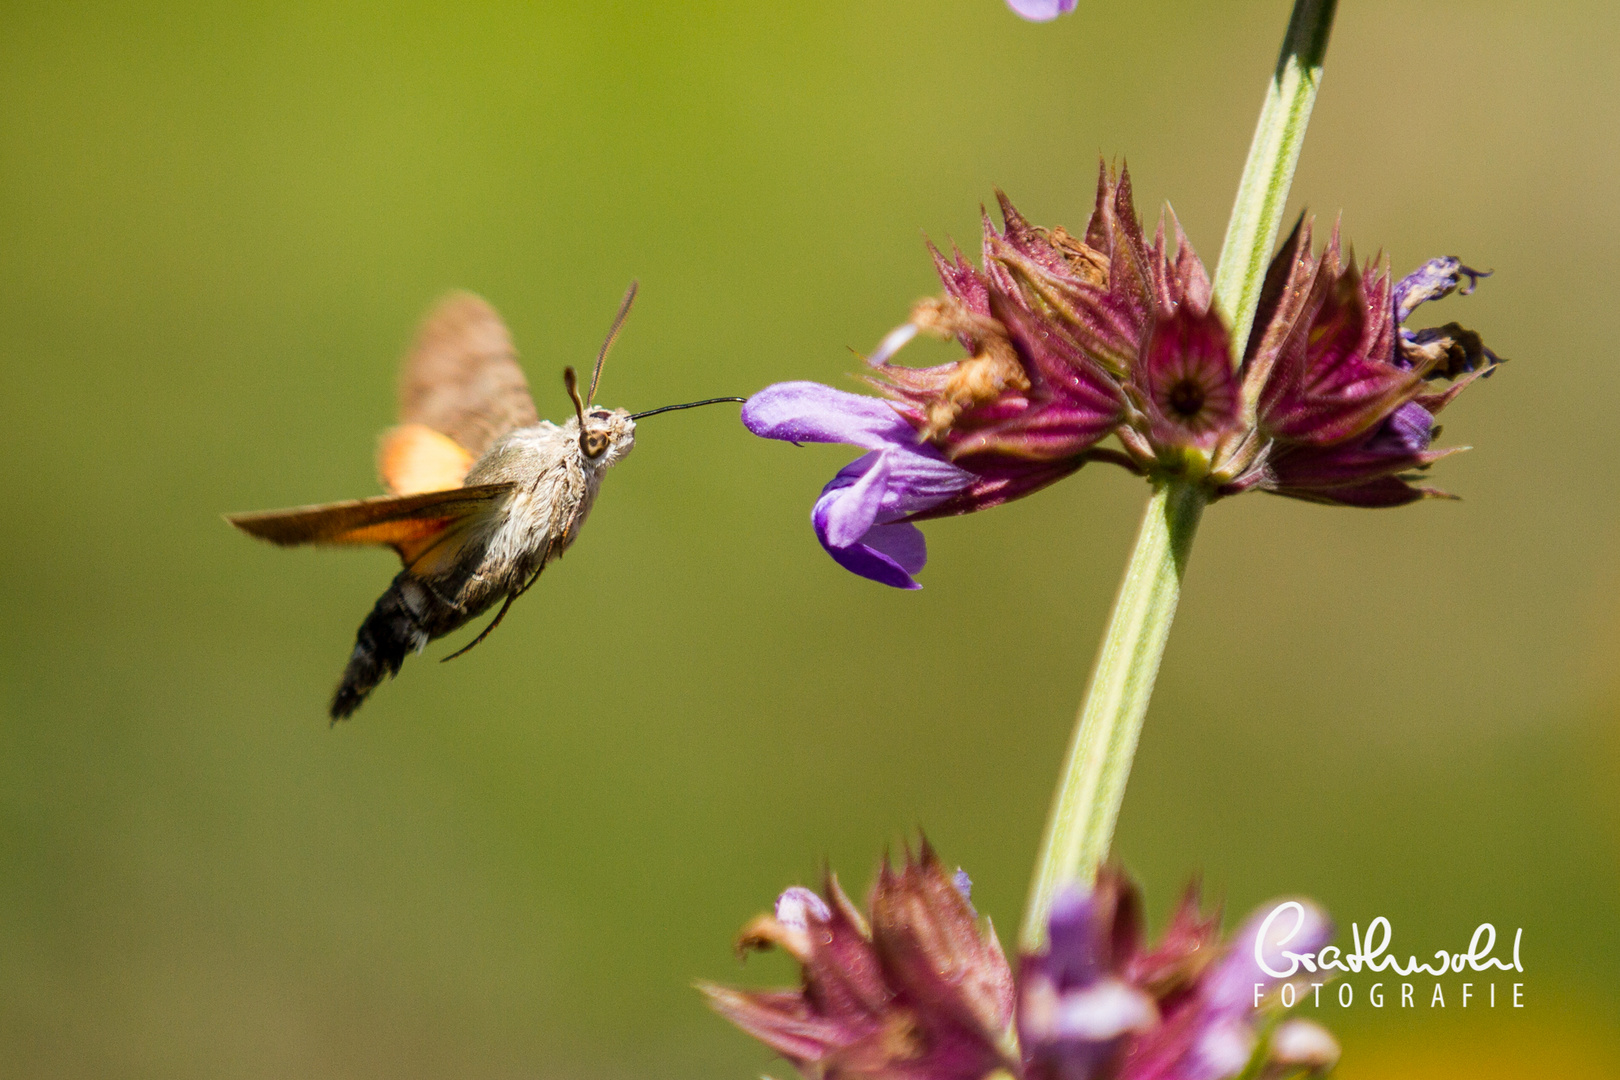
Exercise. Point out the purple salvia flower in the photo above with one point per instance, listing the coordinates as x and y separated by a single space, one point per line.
1098 1005
1345 401
1075 340
1076 1006
919 992
1212 1030
864 517
919 989
860 516
1041 10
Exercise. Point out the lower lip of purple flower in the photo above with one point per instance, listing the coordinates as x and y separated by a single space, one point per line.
858 516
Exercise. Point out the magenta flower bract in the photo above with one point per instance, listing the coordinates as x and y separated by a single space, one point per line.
923 991
919 993
1345 401
1073 340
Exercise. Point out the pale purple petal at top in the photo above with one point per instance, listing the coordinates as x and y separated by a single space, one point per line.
796 906
1041 10
812 412
1433 280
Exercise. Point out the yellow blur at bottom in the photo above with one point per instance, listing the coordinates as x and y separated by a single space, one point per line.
1520 1050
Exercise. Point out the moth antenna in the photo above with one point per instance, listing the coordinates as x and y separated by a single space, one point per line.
618 321
571 381
688 405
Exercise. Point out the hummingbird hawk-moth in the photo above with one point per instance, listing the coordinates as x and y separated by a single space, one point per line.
483 494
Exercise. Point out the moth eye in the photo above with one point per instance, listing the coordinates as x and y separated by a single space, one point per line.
593 444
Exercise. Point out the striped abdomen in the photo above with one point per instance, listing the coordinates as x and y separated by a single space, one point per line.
404 620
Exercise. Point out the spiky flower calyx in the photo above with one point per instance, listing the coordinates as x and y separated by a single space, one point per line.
922 991
918 988
1072 340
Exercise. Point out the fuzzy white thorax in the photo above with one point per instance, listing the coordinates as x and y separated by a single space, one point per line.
556 484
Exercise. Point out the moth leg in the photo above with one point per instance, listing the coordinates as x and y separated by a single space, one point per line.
493 623
499 615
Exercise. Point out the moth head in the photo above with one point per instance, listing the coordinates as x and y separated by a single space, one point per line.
602 430
605 435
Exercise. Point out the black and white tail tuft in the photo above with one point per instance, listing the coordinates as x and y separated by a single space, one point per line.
389 632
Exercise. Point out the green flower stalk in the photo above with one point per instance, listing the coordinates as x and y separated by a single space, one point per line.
1098 762
1086 805
1268 173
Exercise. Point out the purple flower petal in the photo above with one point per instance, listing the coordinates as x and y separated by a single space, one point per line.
1290 926
811 412
901 542
1104 1010
1075 955
853 509
1434 280
1407 431
912 479
888 554
1041 10
798 905
857 517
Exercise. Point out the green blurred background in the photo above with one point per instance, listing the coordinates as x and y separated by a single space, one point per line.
218 226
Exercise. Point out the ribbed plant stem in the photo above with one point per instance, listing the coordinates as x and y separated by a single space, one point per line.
1251 232
1098 763
1080 827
